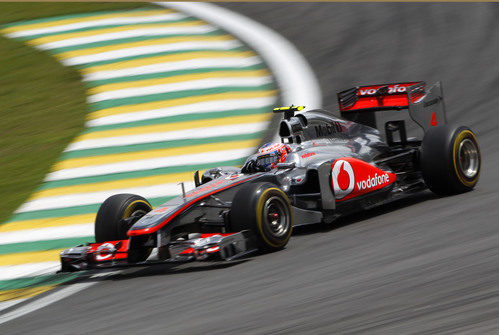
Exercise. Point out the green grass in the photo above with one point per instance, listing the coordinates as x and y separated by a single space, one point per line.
42 103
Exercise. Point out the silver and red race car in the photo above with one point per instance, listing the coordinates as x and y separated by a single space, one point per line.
323 167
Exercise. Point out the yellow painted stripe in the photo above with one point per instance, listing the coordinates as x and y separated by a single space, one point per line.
113 185
84 19
177 79
86 33
159 128
24 293
167 58
47 222
166 40
149 154
177 102
30 257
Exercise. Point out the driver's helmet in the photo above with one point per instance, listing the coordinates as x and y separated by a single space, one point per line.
270 154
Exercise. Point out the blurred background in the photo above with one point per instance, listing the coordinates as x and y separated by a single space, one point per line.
97 99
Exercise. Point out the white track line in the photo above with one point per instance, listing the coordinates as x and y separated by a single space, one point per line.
150 49
191 133
45 301
90 198
190 64
199 107
181 86
149 164
141 32
41 234
98 23
9 303
8 272
297 82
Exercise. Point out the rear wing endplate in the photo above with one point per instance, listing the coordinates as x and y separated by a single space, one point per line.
427 110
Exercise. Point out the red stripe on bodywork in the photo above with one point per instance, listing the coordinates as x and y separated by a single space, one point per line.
171 217
187 251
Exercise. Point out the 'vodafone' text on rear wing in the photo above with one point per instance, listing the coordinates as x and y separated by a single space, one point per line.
426 107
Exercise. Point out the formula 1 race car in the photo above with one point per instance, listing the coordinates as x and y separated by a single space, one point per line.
324 167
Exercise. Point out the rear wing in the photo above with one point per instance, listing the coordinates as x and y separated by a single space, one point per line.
426 107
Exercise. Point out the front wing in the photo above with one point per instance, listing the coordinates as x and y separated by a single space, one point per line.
198 247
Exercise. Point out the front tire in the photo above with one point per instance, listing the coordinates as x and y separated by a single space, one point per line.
450 159
116 216
265 210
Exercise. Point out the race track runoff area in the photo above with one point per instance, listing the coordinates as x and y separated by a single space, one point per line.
168 94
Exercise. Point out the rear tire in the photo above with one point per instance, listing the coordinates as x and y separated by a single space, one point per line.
116 216
450 159
265 210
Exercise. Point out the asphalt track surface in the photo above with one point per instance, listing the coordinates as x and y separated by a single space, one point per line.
424 265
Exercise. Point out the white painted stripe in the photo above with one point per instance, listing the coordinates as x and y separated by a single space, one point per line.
192 133
90 198
150 49
50 233
200 107
202 29
297 82
148 164
9 303
28 270
45 301
237 62
110 272
98 23
181 86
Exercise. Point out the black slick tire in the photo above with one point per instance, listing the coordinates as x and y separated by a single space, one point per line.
110 222
450 159
265 210
115 217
